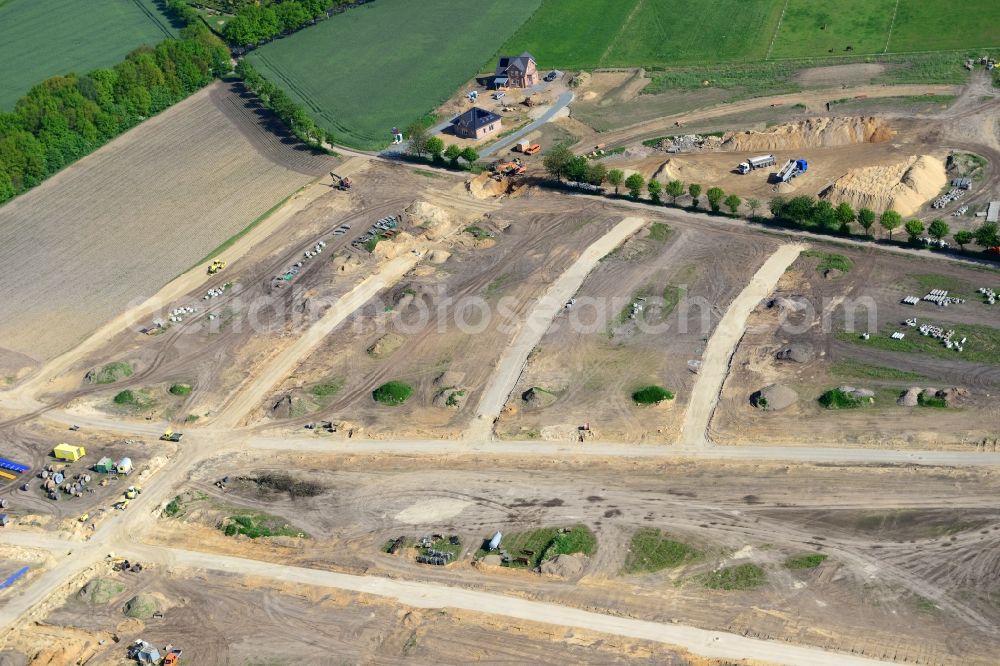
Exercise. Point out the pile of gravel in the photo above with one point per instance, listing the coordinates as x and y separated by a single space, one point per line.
774 397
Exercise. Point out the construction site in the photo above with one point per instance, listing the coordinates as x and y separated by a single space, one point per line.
393 410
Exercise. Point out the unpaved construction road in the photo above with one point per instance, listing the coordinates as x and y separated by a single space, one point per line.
722 345
533 328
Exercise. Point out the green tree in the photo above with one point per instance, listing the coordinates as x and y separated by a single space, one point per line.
634 184
469 154
291 15
577 169
938 229
987 235
963 238
418 138
675 188
733 203
435 146
452 153
694 189
914 229
890 220
866 218
556 162
597 173
654 187
753 205
845 213
824 215
715 196
799 209
616 177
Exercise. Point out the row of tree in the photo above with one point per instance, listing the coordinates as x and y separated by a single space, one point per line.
66 117
291 114
261 22
801 211
422 145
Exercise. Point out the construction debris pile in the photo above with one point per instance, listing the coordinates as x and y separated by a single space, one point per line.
215 292
681 144
384 228
990 294
954 194
946 336
295 268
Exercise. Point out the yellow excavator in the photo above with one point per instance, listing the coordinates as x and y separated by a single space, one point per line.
216 266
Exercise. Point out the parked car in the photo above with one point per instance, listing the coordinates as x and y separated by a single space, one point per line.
552 76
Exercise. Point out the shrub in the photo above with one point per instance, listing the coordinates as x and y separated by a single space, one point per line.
742 577
392 393
837 399
125 397
180 389
651 395
805 561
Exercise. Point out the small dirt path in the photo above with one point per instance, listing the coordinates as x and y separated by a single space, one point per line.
515 357
722 345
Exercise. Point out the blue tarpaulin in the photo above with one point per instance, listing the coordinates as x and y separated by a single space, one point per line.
10 581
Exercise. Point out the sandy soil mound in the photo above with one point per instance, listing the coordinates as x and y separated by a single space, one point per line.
432 511
810 133
565 566
484 186
100 591
346 263
386 345
774 397
452 397
903 187
438 256
537 398
796 353
909 397
857 393
141 606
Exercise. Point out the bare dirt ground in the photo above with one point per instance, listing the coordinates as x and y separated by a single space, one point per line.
139 187
593 358
890 583
444 326
220 619
875 285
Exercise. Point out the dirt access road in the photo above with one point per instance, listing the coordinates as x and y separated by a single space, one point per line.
423 595
722 345
533 328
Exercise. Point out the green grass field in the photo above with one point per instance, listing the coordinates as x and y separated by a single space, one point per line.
389 63
43 39
586 34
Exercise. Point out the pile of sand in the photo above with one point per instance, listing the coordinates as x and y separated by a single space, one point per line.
346 263
438 256
774 397
797 353
910 397
903 187
386 345
564 566
484 186
810 133
427 214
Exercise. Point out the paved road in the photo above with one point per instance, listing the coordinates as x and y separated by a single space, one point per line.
717 644
560 103
514 358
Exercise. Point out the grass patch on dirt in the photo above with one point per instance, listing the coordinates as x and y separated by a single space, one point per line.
445 546
133 400
658 231
257 525
837 399
478 233
650 550
326 389
982 343
924 282
392 393
173 507
672 295
810 561
830 261
545 543
740 577
180 389
110 373
849 367
931 401
651 395
100 591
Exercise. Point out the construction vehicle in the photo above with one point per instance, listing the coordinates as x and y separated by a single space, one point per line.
121 504
132 492
173 658
755 163
526 148
216 266
791 169
84 518
171 436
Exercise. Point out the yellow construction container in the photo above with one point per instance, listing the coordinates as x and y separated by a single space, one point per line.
69 452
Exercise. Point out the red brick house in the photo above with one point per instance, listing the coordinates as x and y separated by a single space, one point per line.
476 123
516 72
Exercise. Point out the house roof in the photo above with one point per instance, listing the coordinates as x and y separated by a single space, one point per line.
475 118
519 63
